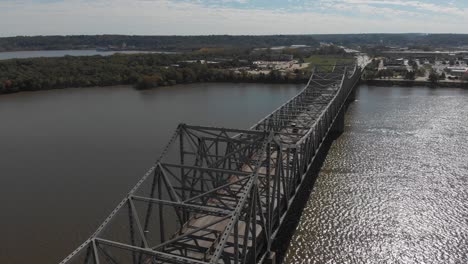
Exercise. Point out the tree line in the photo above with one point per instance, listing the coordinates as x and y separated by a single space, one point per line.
141 70
422 41
164 43
191 43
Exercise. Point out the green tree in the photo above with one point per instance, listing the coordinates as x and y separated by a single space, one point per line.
410 75
421 72
433 78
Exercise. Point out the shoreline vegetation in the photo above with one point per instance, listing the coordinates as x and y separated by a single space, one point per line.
145 71
192 43
150 43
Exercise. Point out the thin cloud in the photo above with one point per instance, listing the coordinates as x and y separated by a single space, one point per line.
445 9
168 17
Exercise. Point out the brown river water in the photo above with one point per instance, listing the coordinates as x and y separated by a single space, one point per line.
68 157
393 188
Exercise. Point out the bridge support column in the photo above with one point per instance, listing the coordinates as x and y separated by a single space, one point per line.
339 125
352 96
271 258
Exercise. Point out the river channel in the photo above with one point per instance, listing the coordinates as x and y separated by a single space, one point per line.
393 188
68 157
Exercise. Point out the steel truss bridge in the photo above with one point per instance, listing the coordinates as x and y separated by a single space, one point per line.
219 195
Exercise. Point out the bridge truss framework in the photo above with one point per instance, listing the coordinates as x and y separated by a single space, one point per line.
219 195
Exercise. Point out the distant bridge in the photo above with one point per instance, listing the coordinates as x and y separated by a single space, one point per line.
219 195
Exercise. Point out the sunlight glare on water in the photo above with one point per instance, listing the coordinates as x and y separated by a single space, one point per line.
394 186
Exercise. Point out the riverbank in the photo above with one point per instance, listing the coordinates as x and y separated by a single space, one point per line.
410 83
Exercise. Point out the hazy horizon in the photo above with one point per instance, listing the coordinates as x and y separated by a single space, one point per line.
203 35
230 17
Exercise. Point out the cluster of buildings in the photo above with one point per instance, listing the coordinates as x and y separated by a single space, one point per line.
279 65
453 64
457 71
399 65
284 67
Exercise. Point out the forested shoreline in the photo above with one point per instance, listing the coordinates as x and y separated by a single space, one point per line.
150 70
192 43
142 70
161 43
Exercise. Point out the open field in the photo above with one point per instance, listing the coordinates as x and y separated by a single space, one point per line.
327 60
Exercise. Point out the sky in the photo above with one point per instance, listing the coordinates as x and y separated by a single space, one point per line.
235 17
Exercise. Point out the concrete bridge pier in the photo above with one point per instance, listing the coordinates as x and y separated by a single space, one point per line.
339 125
352 96
271 258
